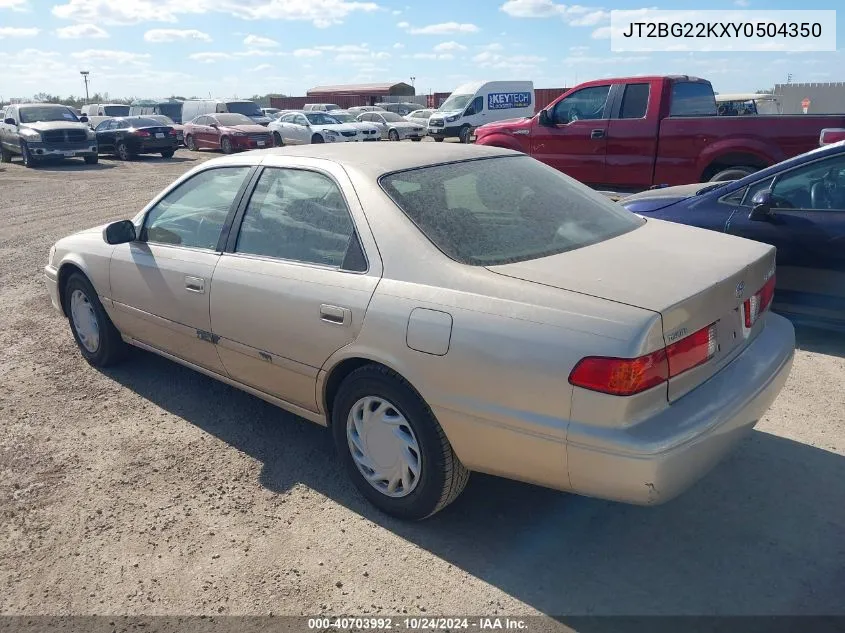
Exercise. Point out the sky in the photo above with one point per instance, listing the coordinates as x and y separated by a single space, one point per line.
237 48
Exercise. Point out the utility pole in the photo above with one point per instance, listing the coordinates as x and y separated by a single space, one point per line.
84 74
413 79
789 78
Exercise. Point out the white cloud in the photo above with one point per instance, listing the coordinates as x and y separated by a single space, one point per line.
81 31
321 13
445 47
444 28
209 58
361 58
578 49
307 52
175 35
345 48
11 31
398 45
259 42
574 14
742 3
114 57
495 46
488 59
590 19
601 33
14 5
436 56
396 12
260 67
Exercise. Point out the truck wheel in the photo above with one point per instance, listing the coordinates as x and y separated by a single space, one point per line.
464 134
733 173
5 155
28 159
438 139
92 160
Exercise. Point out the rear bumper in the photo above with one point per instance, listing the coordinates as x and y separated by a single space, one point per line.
155 146
657 459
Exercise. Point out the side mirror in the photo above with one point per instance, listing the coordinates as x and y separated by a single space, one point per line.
761 206
83 119
215 125
9 121
545 118
120 232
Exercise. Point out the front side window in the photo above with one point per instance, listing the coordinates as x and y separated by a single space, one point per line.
587 103
476 106
818 186
499 210
193 214
299 216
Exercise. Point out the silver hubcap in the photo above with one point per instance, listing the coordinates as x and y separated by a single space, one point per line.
85 321
383 446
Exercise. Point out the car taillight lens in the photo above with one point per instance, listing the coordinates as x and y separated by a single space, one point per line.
141 133
629 376
172 132
757 305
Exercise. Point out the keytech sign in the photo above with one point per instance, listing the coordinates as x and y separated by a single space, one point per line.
508 100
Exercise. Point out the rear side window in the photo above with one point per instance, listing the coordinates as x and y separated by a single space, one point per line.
692 98
634 101
500 210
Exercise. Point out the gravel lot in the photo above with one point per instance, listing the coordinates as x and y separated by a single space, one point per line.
150 489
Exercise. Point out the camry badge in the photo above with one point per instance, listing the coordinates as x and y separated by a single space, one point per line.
739 288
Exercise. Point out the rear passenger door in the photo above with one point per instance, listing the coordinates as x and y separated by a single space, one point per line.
294 281
105 136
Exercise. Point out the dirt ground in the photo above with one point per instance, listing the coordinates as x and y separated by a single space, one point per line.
150 489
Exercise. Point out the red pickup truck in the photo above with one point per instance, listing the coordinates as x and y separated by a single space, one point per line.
636 132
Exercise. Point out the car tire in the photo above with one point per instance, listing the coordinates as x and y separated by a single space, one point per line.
226 145
123 152
416 140
734 173
100 344
92 160
438 139
393 135
316 138
277 139
5 155
28 159
440 477
465 134
168 154
190 144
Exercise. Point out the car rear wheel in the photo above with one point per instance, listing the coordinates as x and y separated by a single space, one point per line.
392 446
226 145
733 173
5 155
92 160
277 139
438 139
97 337
26 156
393 135
465 134
316 139
168 154
189 141
123 152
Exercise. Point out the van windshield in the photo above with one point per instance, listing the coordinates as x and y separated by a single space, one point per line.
456 102
249 108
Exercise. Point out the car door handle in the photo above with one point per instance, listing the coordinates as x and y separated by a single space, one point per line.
597 134
194 284
335 314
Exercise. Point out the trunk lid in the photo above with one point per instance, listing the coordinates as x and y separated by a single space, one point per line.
691 277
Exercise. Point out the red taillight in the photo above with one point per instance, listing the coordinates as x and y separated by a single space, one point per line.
757 305
629 376
141 133
172 132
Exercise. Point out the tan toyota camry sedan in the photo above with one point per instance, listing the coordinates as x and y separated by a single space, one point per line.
444 309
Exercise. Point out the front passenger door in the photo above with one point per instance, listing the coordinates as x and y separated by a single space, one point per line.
160 283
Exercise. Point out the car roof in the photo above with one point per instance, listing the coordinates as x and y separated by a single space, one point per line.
371 159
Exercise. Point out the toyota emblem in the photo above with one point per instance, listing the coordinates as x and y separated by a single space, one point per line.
739 288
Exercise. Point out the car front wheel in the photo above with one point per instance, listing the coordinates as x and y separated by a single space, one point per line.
28 158
5 155
392 446
393 135
97 337
189 141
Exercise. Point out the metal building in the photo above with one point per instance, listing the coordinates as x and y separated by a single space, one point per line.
820 98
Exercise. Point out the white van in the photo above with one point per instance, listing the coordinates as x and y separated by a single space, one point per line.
480 102
105 109
192 108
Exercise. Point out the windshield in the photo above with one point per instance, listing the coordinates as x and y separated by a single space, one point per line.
319 118
162 119
391 117
249 108
32 114
495 211
116 110
455 102
233 119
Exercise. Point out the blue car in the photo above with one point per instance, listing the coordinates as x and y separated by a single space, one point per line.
797 206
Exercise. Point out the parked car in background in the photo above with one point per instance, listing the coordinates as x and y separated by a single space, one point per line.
127 137
400 108
636 132
166 120
171 108
39 131
105 109
393 127
646 349
270 113
192 108
367 131
320 107
747 104
365 108
421 116
227 132
797 206
302 128
476 103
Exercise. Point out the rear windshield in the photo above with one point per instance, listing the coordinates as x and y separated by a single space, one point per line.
233 119
139 122
692 98
33 114
116 110
171 110
249 108
506 209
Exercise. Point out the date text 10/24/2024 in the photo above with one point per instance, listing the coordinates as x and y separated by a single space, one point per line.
416 624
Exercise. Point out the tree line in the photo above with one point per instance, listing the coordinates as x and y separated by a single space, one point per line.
77 102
